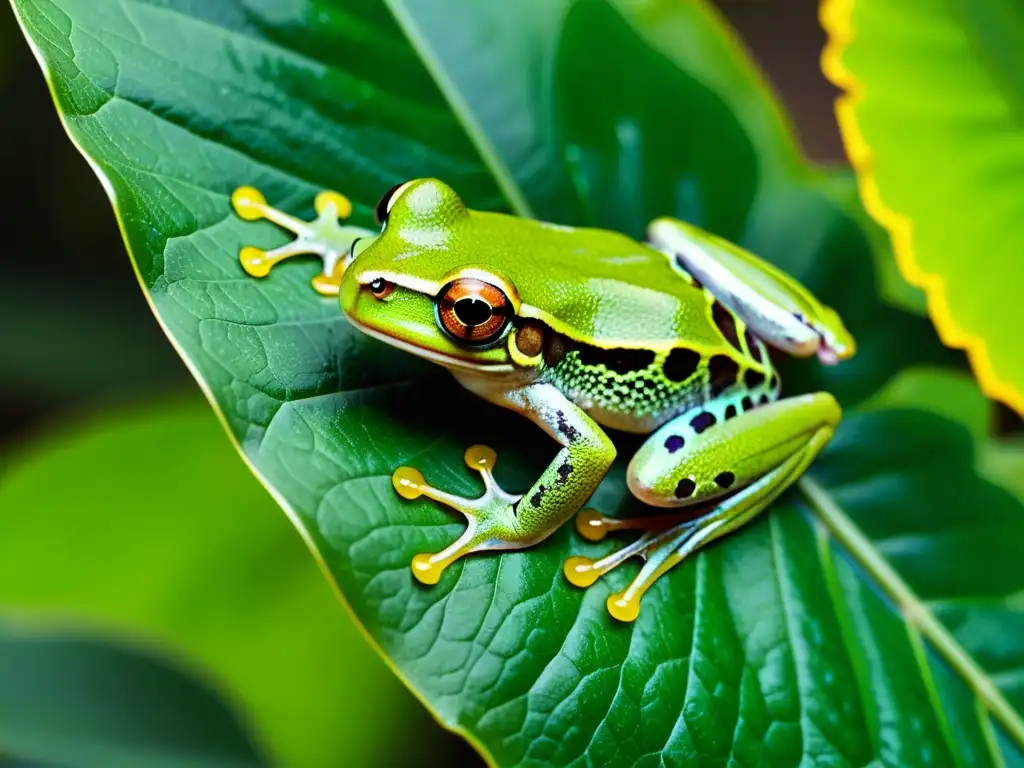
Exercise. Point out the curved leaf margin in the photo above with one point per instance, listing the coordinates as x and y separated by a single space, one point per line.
836 18
293 516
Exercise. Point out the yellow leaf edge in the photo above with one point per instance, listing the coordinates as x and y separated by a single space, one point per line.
836 17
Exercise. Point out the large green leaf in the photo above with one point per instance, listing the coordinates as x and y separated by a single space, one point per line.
79 701
773 645
145 525
935 91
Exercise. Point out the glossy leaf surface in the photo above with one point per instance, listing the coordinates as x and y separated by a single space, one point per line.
772 645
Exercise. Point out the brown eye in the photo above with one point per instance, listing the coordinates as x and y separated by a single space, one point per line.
473 311
381 288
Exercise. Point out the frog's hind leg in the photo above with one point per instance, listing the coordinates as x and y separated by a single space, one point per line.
773 305
740 466
678 543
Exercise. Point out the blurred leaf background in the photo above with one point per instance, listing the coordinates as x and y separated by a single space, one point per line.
134 628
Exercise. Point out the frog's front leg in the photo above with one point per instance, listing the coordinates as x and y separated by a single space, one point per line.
502 521
739 466
324 237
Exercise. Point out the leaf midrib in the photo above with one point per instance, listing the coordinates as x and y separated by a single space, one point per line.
515 196
914 612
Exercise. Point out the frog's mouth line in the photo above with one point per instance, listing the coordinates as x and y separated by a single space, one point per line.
448 361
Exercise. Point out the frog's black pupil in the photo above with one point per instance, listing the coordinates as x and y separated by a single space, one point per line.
378 285
381 213
472 311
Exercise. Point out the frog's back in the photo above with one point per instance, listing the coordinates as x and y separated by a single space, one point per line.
632 338
597 286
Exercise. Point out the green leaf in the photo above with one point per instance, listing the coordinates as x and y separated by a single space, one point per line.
955 395
936 90
776 645
73 700
145 525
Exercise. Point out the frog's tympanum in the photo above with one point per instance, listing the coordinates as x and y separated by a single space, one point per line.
578 330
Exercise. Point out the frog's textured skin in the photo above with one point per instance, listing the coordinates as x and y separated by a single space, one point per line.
580 329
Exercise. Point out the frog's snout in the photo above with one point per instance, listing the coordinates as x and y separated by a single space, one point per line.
348 296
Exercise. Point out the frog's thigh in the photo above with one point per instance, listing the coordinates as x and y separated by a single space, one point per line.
764 297
688 461
750 448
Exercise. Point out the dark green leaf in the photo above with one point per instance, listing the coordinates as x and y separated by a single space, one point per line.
956 396
74 701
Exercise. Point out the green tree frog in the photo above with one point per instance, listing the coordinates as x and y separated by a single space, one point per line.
580 330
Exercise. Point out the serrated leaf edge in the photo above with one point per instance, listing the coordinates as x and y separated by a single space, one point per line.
836 18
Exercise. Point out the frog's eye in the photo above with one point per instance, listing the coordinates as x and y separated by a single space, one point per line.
473 311
381 288
387 202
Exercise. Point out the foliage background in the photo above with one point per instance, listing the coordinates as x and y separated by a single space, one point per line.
76 336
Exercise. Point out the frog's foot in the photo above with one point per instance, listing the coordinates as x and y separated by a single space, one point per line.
593 526
323 237
663 550
780 441
491 519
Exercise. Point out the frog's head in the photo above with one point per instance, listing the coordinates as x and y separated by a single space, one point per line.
422 286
